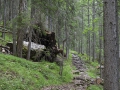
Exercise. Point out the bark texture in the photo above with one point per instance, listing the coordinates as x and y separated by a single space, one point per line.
111 49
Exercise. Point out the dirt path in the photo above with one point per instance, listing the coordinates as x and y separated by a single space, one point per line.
80 81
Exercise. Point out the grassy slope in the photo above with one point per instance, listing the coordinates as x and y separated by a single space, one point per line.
20 74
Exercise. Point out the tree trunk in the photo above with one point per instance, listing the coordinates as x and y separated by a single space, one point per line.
67 43
93 17
100 47
88 41
13 10
58 31
20 32
10 8
111 46
31 30
82 30
0 10
4 19
49 17
58 26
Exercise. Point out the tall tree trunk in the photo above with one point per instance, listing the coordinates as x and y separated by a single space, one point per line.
111 46
4 19
88 41
67 28
93 17
58 27
82 30
58 31
100 48
10 8
29 45
67 40
31 29
20 32
49 17
100 43
13 10
0 10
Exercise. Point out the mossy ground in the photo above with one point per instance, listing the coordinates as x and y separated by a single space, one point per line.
21 74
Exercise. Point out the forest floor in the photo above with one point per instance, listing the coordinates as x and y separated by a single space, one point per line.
81 79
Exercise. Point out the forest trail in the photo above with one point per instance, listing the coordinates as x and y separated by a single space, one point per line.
80 80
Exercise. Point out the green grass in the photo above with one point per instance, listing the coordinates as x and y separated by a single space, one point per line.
73 52
92 69
95 87
21 74
8 38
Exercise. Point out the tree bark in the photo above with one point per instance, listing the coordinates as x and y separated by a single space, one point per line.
31 29
0 5
88 34
67 42
67 32
82 30
111 46
20 32
13 10
100 48
93 17
4 18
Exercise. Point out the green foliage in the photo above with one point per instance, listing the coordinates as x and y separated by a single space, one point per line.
96 20
8 38
47 53
20 74
1 23
73 23
20 21
92 72
84 57
95 87
73 52
23 20
67 76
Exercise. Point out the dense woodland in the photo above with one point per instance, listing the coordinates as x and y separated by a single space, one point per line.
89 27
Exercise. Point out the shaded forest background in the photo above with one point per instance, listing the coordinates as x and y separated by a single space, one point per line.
78 24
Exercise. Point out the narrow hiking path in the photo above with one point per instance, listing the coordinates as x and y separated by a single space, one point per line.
81 80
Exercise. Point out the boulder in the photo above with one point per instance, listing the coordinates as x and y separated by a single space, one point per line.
36 50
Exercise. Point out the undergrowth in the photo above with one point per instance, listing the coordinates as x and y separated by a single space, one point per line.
95 87
21 74
8 38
